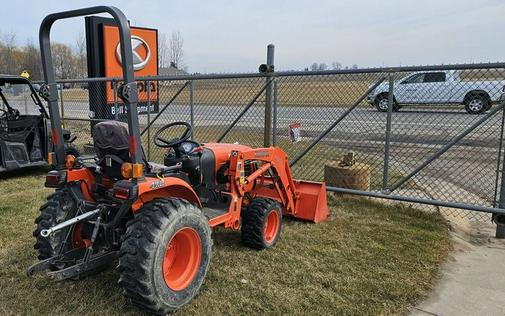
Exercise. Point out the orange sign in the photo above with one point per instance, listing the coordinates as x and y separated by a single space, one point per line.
145 62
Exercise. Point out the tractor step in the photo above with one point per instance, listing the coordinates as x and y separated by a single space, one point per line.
213 211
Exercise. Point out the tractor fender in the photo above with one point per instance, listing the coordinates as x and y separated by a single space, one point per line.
87 179
168 187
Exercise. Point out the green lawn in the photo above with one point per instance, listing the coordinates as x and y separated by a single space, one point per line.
368 258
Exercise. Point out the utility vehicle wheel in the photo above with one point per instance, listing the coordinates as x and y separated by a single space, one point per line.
261 223
165 255
382 102
477 104
59 207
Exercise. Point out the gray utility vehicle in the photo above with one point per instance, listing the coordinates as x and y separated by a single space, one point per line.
25 133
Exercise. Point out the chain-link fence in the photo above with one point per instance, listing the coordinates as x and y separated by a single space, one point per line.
431 135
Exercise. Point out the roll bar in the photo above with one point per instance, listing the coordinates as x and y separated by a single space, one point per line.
127 92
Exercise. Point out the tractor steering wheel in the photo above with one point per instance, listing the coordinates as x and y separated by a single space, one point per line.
173 143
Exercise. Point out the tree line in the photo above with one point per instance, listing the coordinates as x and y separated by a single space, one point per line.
334 66
70 60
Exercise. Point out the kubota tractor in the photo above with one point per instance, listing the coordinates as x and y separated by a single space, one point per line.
155 218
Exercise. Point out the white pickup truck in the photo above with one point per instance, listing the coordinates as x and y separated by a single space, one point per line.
438 87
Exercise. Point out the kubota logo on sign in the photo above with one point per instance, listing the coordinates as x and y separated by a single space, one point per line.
140 50
145 61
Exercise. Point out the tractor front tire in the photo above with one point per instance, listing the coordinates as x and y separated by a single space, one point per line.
165 255
261 223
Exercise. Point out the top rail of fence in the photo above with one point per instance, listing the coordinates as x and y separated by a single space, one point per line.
298 73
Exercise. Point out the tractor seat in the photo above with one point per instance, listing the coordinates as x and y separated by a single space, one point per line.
111 140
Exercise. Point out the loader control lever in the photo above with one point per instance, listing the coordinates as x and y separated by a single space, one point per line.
174 142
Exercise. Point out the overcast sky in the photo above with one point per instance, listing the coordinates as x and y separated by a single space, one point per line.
231 36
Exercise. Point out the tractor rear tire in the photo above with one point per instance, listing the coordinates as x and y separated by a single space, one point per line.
165 255
261 223
59 207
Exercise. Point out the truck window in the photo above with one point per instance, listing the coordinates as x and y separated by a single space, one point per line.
414 79
434 77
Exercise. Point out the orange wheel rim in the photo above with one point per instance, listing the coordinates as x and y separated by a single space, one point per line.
182 259
271 226
77 240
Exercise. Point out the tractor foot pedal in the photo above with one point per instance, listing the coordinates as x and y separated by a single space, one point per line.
80 268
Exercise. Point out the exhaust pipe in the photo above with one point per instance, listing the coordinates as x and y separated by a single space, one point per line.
46 232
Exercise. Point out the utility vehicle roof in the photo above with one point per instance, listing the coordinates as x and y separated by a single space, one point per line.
12 79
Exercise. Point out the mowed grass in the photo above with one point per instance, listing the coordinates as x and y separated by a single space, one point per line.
368 258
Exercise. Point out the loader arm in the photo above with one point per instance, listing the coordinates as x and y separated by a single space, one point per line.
275 181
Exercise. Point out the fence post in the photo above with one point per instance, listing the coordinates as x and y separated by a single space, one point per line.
62 111
114 88
274 127
191 111
148 85
268 97
385 180
498 219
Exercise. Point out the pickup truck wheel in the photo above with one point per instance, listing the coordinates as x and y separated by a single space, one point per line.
381 103
476 104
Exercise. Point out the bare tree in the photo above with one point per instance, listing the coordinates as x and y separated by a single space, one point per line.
80 55
336 65
8 53
323 66
64 61
163 51
31 61
354 66
175 50
317 67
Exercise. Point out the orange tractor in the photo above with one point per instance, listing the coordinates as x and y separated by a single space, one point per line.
156 218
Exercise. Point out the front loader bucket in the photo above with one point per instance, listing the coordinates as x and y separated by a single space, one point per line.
311 203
